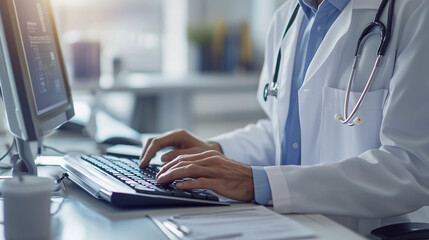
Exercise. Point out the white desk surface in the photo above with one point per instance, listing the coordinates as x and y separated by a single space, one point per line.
84 217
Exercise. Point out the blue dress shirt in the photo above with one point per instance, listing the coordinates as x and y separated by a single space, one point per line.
315 24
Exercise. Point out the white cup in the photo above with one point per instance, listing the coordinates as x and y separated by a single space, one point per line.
27 204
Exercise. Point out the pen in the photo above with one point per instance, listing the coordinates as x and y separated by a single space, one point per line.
182 231
161 226
177 229
222 236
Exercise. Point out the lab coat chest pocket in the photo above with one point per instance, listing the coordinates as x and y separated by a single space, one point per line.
340 141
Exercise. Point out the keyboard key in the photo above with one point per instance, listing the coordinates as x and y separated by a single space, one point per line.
124 178
179 193
144 189
142 182
162 191
212 197
198 196
131 183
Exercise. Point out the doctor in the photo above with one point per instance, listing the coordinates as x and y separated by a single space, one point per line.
301 159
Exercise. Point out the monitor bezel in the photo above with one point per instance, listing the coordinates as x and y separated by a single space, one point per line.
36 125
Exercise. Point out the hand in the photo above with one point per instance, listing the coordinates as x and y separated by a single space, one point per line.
210 170
185 143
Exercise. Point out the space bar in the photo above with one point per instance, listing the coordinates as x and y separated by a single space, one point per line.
151 190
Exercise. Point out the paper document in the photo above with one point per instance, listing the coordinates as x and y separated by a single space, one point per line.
238 223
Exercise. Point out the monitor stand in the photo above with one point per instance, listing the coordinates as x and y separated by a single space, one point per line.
24 160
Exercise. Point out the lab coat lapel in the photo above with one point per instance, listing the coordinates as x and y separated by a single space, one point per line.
337 31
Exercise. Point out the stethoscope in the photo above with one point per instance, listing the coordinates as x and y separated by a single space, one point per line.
385 33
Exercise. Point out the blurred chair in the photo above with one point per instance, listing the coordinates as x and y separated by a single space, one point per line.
403 231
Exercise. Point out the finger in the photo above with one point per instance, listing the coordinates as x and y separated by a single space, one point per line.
167 157
206 183
145 147
188 171
174 139
218 186
180 160
156 144
149 153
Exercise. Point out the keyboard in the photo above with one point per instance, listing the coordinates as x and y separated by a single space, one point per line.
144 180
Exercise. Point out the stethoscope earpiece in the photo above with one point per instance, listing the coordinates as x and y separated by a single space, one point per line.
356 121
338 117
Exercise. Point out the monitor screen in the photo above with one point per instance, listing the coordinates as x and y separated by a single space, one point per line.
47 80
33 78
32 72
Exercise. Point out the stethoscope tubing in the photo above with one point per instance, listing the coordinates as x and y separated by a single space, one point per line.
273 90
385 33
361 97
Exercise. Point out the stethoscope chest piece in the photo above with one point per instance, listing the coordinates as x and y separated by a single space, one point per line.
271 90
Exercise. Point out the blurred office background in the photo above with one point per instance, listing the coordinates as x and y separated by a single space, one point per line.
159 65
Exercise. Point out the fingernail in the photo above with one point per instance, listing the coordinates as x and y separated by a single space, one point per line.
160 177
179 185
160 171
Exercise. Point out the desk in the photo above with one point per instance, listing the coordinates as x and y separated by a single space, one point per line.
84 217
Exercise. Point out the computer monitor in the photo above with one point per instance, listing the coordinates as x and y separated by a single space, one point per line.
33 77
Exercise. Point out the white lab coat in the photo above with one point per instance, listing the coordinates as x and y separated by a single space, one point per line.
363 176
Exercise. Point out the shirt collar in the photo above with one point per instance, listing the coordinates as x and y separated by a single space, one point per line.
308 6
339 4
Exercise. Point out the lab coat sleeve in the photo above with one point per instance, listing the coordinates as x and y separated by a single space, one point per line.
388 181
